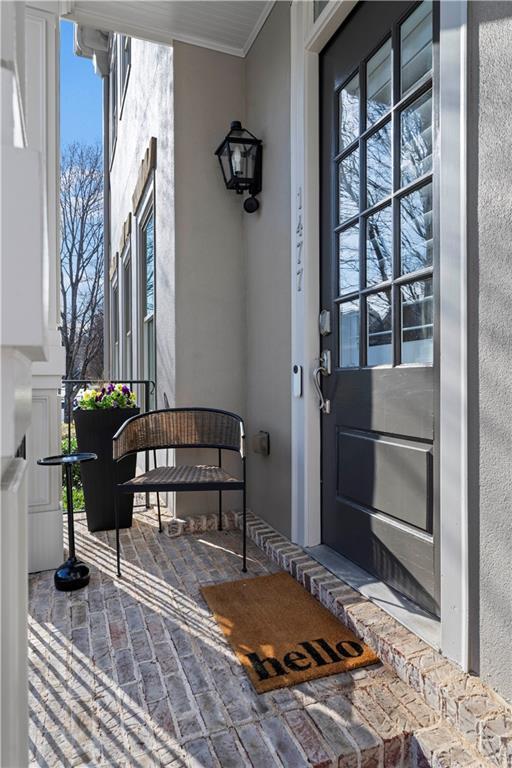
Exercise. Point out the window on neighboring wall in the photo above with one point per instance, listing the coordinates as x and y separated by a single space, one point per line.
114 330
113 97
125 57
127 316
148 297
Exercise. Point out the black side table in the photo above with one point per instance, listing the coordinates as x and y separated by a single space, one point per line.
72 574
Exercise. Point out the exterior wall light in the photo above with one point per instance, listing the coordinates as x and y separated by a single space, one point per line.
240 158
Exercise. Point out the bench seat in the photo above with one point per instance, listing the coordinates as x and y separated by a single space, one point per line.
184 477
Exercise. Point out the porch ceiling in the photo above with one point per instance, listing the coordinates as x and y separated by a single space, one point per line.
230 26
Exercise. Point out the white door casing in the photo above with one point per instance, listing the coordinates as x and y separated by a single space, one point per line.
308 37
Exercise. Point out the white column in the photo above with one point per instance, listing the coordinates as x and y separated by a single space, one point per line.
45 515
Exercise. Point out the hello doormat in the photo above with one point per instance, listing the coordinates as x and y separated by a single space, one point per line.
281 634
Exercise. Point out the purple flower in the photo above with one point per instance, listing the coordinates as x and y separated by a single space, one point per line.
126 390
110 388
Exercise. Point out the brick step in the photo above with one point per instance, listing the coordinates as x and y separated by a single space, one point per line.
368 721
441 746
468 716
468 707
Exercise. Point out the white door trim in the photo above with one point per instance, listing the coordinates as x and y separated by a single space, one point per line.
453 446
307 40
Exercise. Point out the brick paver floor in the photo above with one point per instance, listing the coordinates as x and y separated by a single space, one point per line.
135 672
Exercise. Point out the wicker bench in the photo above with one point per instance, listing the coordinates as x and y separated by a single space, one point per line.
182 428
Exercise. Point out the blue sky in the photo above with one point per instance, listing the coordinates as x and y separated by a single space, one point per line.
81 99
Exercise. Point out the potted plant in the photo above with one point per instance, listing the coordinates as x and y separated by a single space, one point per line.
98 414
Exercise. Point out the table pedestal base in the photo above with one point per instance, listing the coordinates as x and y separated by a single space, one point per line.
71 575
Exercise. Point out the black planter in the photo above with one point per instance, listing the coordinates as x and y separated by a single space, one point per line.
94 432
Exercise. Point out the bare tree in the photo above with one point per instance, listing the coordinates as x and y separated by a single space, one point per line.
81 259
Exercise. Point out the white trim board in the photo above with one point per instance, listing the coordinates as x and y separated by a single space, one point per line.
453 419
307 40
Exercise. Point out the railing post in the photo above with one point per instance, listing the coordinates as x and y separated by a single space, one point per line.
68 404
146 409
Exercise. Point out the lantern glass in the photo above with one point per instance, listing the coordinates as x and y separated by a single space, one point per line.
243 162
225 164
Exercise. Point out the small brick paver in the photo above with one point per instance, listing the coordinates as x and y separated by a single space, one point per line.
135 672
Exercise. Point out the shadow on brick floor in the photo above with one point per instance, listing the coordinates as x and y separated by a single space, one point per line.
136 672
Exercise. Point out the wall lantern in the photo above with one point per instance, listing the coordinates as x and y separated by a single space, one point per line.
240 158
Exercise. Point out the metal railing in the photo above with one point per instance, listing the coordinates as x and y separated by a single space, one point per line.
148 388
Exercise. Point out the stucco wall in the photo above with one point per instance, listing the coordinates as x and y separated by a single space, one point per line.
210 293
490 361
223 286
267 258
147 112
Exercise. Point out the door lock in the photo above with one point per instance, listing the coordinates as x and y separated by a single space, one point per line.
324 322
325 362
322 369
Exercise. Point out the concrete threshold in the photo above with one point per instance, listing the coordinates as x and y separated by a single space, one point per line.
403 610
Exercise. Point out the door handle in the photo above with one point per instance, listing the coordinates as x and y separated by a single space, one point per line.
322 369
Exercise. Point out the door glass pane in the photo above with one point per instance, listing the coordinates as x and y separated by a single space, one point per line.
417 322
348 244
349 334
379 245
416 230
379 349
378 84
349 112
416 45
348 177
416 139
379 177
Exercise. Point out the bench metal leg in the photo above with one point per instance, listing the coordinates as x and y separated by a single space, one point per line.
220 493
244 534
159 513
118 548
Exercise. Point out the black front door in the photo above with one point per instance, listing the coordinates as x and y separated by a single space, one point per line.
379 267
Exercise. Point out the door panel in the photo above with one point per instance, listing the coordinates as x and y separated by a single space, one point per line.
387 475
378 279
397 401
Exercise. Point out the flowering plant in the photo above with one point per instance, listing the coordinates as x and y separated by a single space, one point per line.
107 396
